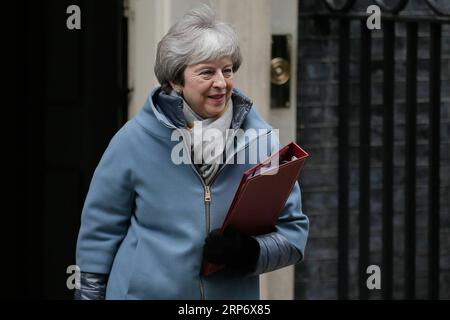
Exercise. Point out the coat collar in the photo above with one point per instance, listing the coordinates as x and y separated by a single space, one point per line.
161 123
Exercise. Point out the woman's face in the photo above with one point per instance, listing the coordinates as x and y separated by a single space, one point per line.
207 86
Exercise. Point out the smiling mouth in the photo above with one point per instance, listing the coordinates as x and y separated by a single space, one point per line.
217 97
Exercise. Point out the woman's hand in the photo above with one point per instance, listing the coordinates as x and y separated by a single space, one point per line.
233 249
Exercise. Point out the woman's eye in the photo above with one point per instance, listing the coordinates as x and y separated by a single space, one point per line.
228 72
207 73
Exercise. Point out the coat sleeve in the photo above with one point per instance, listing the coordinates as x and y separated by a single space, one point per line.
285 246
293 224
107 209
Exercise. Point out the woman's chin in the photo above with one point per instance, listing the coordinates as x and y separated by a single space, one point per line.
214 111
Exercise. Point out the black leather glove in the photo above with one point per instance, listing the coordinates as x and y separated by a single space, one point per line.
233 249
92 286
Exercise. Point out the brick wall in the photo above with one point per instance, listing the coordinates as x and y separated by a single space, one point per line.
317 132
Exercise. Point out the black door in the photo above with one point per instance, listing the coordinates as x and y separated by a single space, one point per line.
71 88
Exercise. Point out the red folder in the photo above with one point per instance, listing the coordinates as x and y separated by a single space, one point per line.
262 194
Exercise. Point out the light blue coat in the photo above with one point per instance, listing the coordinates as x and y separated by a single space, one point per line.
145 219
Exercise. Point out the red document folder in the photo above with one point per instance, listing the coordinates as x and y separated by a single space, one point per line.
262 194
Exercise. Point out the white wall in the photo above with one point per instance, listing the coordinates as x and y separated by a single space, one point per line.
149 20
280 284
284 21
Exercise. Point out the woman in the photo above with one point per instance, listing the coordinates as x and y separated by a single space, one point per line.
147 219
